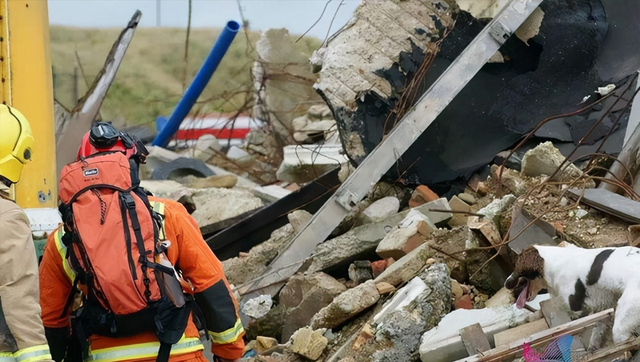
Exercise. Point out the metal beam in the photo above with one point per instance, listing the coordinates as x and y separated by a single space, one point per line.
414 123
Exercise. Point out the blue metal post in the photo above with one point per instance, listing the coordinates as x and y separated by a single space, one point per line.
197 85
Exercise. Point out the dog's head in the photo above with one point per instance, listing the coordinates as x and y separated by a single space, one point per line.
527 280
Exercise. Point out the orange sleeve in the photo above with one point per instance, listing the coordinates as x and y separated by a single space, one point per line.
55 285
212 291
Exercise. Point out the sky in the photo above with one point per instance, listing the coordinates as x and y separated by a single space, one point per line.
296 15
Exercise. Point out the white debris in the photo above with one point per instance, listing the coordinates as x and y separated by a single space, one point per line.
603 91
257 307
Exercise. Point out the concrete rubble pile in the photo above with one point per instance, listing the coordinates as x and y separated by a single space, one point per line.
403 282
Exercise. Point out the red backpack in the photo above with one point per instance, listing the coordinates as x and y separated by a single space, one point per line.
111 234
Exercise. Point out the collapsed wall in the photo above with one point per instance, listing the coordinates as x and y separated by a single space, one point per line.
368 61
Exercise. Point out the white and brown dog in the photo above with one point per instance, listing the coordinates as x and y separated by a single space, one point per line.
584 280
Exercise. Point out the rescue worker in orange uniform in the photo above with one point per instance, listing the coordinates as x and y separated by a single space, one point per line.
190 254
22 336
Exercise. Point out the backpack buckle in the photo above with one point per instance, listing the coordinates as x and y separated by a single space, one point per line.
128 199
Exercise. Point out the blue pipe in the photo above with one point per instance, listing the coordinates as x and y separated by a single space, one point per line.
197 85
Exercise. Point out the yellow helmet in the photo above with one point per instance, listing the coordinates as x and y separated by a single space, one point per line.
16 141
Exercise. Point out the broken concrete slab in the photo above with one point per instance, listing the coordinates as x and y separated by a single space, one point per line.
403 297
309 343
346 305
305 295
403 322
406 267
443 343
213 204
305 164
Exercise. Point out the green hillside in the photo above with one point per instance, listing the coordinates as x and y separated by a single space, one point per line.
150 80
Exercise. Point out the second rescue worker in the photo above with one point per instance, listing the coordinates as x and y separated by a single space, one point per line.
101 157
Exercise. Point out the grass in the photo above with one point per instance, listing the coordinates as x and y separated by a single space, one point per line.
149 82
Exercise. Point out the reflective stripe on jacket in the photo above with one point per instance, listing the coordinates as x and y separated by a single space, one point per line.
143 351
197 263
31 354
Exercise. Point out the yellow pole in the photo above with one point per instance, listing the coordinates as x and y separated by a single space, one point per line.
31 91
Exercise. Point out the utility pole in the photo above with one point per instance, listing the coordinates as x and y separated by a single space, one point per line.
158 11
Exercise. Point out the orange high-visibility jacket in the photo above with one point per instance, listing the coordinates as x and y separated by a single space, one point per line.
190 254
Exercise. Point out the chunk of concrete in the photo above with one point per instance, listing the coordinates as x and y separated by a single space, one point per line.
459 219
298 219
346 306
411 233
257 307
309 343
380 210
545 160
305 295
497 208
385 288
406 267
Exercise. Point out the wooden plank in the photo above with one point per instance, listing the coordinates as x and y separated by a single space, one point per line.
541 338
606 354
520 332
474 339
405 133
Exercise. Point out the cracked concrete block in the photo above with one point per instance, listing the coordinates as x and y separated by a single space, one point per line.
309 343
406 267
346 306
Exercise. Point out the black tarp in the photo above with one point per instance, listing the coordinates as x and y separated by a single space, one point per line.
581 45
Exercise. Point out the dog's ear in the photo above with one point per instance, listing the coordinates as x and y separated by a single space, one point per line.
512 281
530 264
